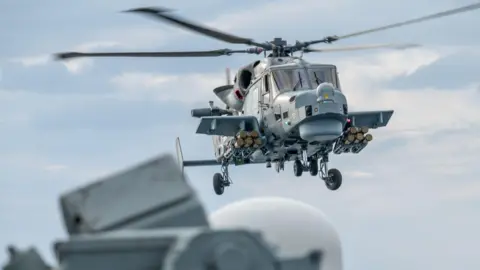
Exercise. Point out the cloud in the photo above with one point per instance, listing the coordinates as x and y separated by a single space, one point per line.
251 18
186 88
421 110
74 66
55 168
32 61
358 174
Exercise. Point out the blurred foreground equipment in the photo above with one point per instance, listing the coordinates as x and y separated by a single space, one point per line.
149 217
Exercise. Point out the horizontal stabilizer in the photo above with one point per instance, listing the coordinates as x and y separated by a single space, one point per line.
191 163
203 162
370 119
222 89
227 125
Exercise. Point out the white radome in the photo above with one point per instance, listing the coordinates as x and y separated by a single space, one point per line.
293 227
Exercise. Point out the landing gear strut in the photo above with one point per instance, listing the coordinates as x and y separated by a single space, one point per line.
221 180
279 165
305 164
297 168
332 177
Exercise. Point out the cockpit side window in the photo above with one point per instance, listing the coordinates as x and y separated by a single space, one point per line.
321 75
266 89
291 79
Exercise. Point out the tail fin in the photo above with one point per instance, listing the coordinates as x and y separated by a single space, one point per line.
179 154
227 73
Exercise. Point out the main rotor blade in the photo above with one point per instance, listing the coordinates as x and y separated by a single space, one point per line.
331 39
364 47
418 20
160 13
68 55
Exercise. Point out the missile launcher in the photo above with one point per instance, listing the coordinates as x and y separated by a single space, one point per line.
353 140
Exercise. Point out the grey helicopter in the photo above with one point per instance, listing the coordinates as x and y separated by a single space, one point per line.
280 108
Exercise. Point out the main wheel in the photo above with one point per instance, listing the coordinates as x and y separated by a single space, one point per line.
218 185
313 164
334 179
297 168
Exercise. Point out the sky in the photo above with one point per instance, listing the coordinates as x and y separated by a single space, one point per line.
410 200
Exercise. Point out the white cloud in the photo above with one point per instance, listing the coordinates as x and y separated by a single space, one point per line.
265 14
55 168
358 174
75 65
32 61
416 110
188 88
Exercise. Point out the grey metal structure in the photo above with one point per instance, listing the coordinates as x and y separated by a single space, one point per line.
149 217
280 108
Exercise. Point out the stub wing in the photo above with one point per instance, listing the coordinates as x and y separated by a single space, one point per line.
370 119
227 125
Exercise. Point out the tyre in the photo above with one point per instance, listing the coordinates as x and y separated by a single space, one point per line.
297 168
313 167
334 180
218 186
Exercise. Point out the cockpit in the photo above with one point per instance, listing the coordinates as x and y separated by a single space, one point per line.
294 78
297 79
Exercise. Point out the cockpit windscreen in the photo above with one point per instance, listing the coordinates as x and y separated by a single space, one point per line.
320 75
291 79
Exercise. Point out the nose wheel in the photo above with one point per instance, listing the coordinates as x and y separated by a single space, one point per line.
221 180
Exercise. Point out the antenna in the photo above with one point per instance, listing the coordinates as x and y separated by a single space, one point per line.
227 73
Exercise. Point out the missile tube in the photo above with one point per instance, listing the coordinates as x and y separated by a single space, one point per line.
353 140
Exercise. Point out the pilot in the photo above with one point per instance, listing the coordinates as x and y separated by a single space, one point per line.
292 227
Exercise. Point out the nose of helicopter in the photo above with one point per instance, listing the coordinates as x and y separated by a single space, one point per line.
326 122
321 129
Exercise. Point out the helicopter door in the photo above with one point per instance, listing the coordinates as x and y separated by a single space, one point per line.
269 122
252 101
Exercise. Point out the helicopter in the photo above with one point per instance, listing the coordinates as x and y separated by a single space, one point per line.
280 108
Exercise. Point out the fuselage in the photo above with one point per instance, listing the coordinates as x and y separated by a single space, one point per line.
297 105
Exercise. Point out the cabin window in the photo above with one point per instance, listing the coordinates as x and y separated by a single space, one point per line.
291 79
266 82
266 89
320 75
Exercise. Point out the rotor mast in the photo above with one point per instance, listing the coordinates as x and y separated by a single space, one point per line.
279 48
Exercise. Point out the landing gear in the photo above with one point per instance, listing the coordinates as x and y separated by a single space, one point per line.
313 167
332 177
301 165
334 180
279 165
297 168
221 180
218 186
